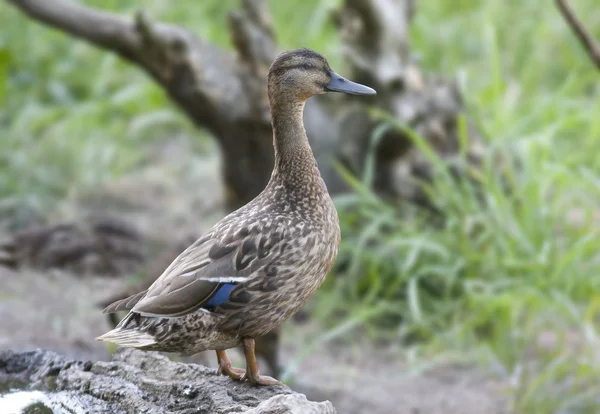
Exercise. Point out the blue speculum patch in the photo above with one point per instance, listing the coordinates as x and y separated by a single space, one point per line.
220 296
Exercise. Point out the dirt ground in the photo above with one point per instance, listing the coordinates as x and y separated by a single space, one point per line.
56 309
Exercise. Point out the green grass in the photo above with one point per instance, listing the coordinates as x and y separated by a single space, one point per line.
504 275
513 282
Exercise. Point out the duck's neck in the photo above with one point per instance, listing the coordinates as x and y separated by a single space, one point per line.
293 155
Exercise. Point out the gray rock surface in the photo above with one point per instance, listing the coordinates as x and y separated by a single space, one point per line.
144 382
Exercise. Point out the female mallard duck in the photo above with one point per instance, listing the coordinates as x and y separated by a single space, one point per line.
267 346
261 263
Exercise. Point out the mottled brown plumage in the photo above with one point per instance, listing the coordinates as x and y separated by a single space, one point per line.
261 263
267 346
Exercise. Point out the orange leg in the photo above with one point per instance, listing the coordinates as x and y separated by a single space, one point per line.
252 367
225 367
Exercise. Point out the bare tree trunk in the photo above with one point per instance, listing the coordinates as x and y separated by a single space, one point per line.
225 93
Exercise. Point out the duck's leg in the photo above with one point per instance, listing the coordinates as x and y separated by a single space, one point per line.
225 367
252 367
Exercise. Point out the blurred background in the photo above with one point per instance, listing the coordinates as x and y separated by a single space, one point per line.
468 279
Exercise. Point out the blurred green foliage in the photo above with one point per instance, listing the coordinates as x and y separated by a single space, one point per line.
513 281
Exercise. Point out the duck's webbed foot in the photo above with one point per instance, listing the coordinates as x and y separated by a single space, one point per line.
251 375
225 367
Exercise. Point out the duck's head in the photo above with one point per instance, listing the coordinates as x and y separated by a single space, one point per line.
301 73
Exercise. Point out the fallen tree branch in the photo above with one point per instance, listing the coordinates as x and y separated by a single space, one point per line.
589 44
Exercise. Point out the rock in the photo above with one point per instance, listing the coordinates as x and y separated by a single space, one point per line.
145 382
291 403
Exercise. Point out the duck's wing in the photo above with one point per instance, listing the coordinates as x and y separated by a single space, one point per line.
124 304
205 274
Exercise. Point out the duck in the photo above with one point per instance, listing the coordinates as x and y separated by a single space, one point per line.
260 264
267 347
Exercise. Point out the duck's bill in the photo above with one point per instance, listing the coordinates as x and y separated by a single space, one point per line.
341 84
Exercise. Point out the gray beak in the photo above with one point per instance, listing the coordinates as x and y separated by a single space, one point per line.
340 84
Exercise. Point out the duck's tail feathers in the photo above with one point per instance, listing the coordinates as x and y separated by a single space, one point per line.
128 336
